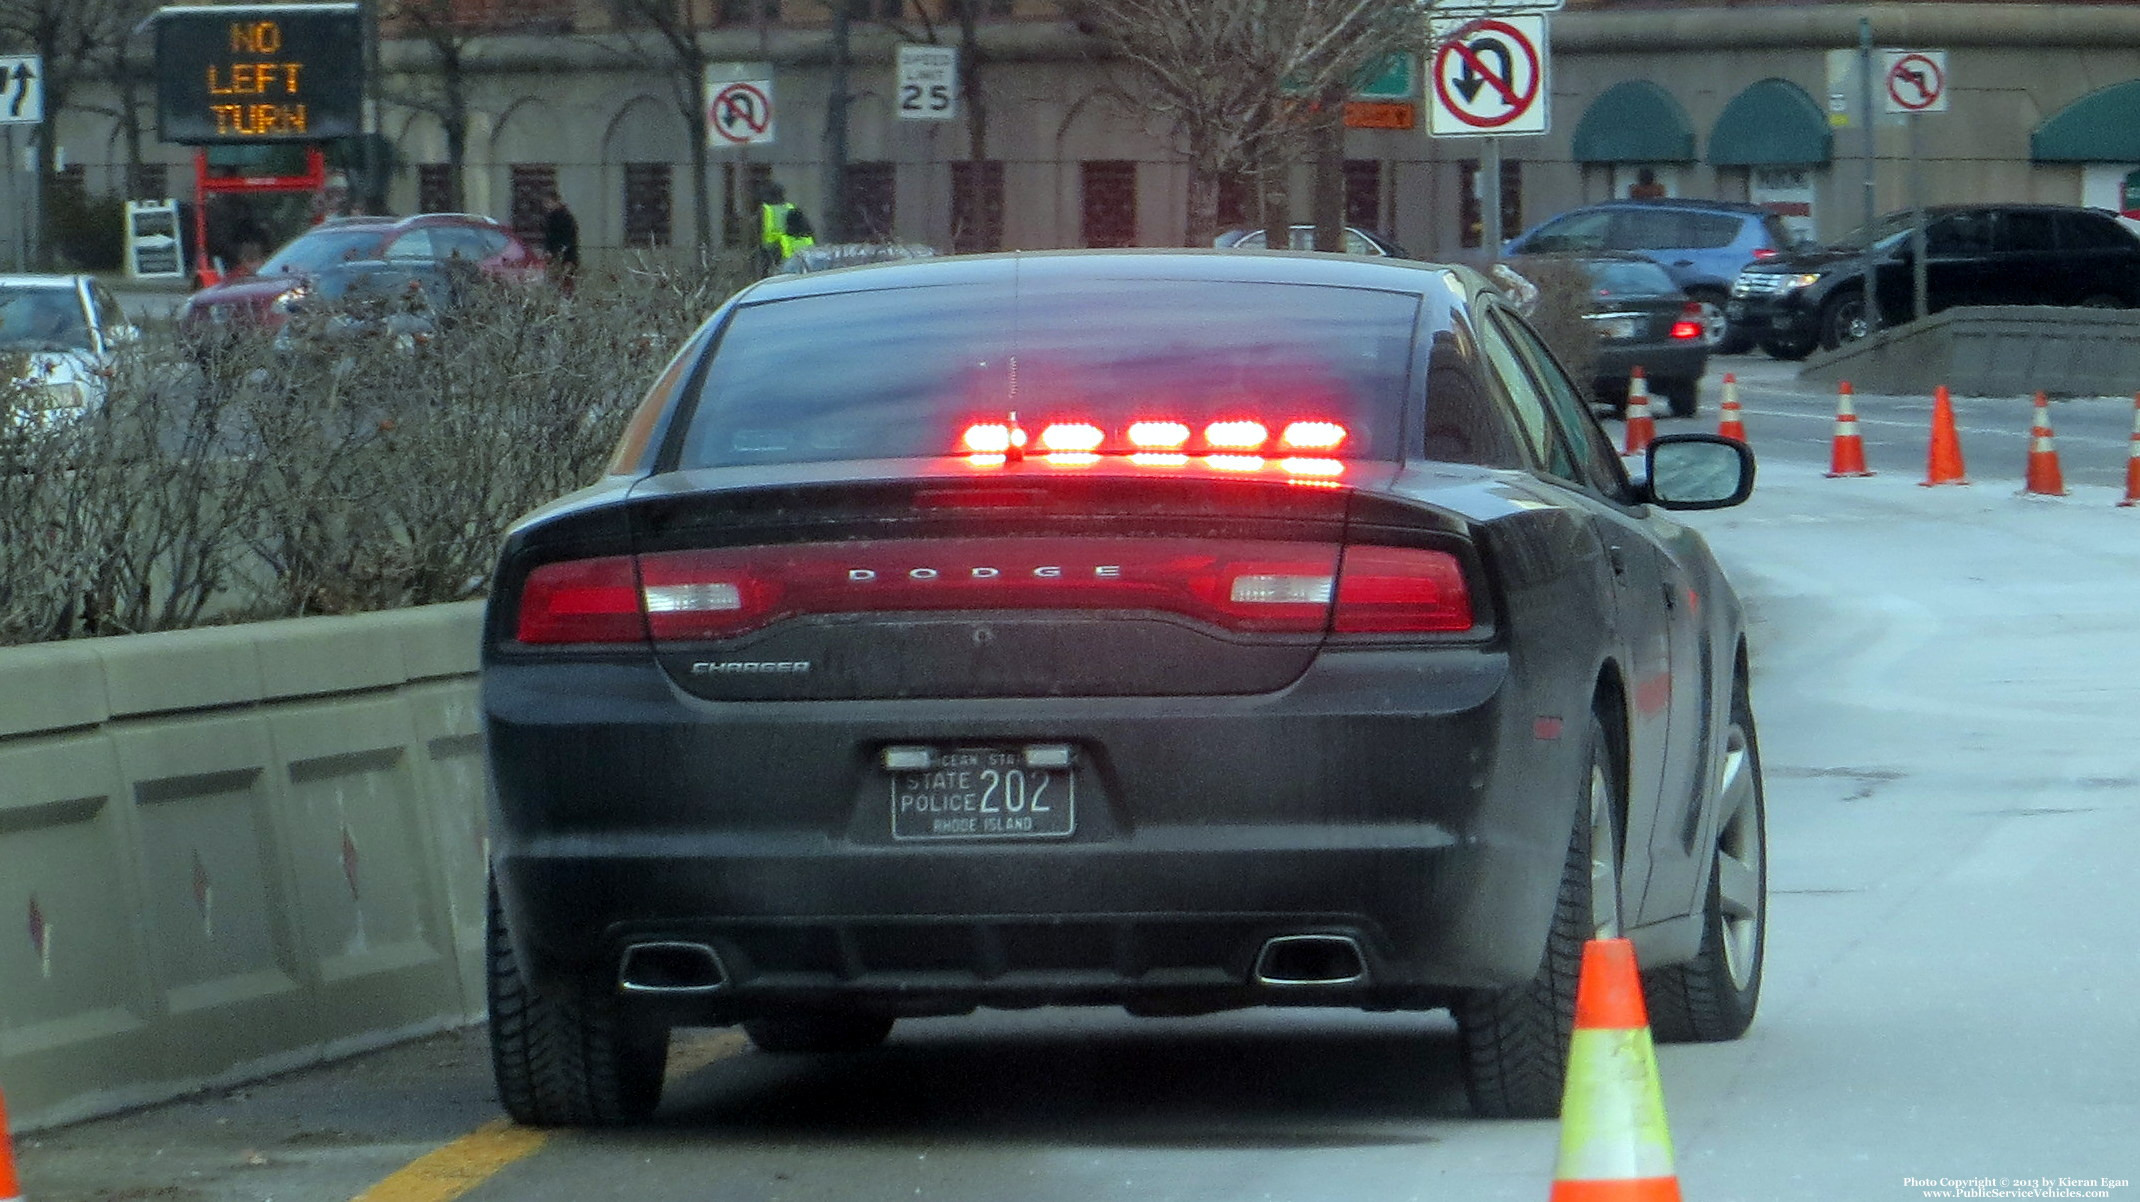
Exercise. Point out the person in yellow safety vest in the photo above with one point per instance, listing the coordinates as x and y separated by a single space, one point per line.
782 229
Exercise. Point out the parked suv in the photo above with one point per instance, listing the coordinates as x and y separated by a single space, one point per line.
1974 255
257 301
1702 244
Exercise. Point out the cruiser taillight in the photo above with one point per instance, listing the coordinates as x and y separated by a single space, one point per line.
1247 585
581 601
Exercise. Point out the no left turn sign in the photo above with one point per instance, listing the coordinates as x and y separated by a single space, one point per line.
1490 78
1916 81
741 113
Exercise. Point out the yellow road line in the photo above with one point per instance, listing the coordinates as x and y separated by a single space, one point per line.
448 1172
460 1166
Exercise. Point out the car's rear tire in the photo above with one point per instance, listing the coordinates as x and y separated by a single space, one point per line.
1712 997
818 1032
1516 1040
1683 396
567 1062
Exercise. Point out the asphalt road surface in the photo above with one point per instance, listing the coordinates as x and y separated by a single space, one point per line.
1945 683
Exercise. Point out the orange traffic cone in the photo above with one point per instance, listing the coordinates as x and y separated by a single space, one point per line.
1847 458
10 1189
2132 461
1641 427
1729 423
1944 463
1614 1144
2044 477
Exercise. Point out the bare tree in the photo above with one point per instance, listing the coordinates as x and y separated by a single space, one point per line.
926 28
449 36
68 35
664 34
1232 78
124 61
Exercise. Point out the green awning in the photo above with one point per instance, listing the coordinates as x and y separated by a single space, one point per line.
1634 121
2101 127
1772 123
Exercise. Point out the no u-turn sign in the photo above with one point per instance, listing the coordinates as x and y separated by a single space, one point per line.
739 112
1490 78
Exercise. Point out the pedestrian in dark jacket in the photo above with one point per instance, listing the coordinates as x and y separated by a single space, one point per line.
560 239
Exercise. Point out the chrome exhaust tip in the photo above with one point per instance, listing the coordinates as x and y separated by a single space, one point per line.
670 967
1295 960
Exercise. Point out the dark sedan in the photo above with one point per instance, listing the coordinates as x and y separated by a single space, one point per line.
1640 319
1178 631
350 302
214 315
1974 255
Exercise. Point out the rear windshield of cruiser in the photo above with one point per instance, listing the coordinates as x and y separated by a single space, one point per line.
905 372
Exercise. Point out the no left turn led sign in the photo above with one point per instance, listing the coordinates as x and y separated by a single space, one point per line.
1915 81
1490 78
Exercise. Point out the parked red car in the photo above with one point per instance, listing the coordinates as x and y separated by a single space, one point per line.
254 301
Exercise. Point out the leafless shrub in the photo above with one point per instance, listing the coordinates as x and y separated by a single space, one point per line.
252 478
1563 297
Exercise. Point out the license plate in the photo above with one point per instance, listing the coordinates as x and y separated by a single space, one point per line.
983 793
1617 327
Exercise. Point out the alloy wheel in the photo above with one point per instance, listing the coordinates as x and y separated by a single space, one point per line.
1604 858
1740 851
1715 328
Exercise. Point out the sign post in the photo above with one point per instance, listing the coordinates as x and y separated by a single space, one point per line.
1489 77
22 102
1914 83
738 120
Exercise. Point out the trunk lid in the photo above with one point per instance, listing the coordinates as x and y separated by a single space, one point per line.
948 579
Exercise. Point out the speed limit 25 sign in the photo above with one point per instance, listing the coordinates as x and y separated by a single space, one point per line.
928 83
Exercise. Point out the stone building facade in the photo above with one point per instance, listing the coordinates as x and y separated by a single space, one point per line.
1737 101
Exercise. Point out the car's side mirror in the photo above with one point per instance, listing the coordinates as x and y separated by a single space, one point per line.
1698 471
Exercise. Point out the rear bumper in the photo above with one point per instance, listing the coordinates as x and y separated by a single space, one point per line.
1399 798
1658 361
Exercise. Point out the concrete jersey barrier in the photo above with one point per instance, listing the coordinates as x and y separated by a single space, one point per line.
1994 350
235 851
